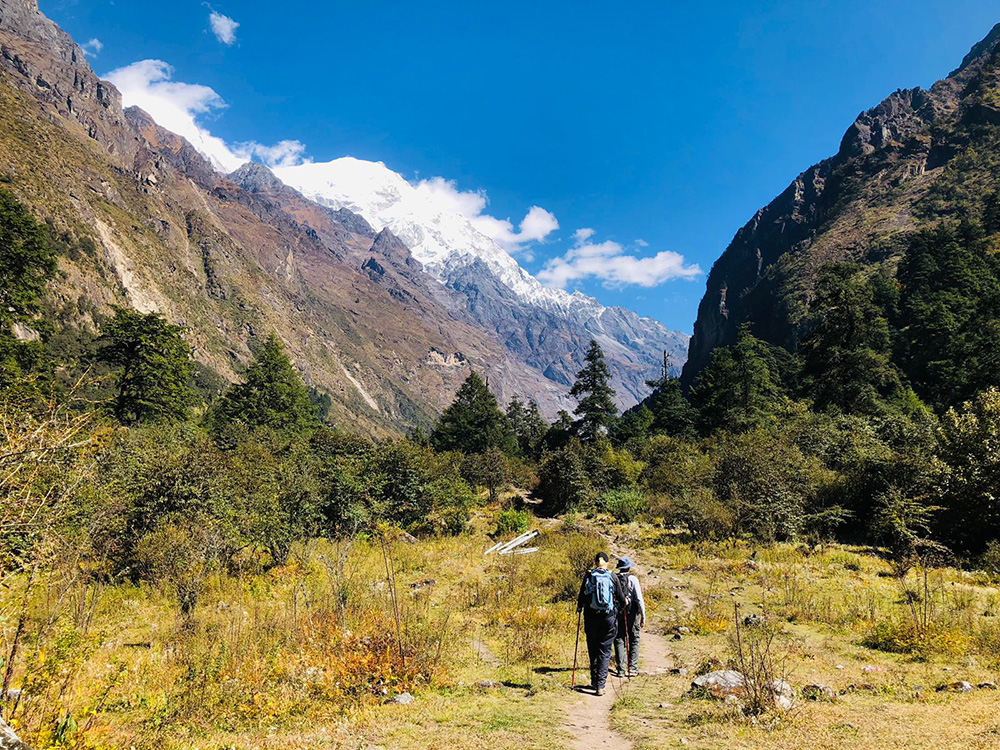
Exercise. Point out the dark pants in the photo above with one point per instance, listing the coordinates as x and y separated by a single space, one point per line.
633 644
601 628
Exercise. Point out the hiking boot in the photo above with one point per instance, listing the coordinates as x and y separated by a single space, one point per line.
599 692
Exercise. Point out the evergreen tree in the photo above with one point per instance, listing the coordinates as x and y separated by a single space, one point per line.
528 425
560 432
473 422
738 390
672 414
27 264
847 355
949 314
154 376
592 389
272 395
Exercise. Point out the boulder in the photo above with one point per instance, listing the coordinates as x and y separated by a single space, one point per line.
9 740
721 684
402 698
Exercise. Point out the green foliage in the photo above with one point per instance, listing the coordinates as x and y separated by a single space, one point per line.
528 426
27 264
949 314
488 469
153 364
967 480
473 422
624 505
512 522
272 396
740 388
766 482
847 355
592 389
563 481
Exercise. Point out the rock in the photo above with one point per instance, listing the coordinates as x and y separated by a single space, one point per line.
679 670
720 684
9 740
486 685
423 584
987 686
754 621
956 687
819 692
403 699
684 630
783 694
676 637
664 705
839 666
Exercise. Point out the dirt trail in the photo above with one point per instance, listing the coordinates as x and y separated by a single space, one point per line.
588 717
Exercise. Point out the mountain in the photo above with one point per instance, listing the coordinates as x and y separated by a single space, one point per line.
919 157
546 328
147 221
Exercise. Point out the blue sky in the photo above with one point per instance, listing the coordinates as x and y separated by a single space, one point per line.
667 123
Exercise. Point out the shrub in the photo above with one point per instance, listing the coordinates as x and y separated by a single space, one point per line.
625 505
512 522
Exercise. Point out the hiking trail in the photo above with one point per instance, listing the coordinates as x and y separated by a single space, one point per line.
588 717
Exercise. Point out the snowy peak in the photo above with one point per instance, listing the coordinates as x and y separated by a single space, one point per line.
441 237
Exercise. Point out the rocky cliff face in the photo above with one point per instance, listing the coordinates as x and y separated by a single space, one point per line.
917 157
151 224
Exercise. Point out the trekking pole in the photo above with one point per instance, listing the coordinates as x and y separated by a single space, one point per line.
579 615
628 661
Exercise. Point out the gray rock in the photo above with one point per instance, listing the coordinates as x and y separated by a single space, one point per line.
9 740
987 686
403 699
721 684
754 621
783 694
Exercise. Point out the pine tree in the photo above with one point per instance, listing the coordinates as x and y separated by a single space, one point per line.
672 414
528 425
155 367
272 395
592 389
847 355
738 390
473 422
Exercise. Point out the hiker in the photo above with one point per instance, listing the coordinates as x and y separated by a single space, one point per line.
631 620
601 598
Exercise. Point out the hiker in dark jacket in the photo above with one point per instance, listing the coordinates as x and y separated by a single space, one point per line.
631 620
601 597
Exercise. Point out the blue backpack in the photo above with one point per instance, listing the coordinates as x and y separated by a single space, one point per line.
600 587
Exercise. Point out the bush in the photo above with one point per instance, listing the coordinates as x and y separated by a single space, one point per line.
562 479
625 505
512 522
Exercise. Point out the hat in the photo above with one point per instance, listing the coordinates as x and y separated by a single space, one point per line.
624 564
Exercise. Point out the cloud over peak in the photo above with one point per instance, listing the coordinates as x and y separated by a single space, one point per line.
223 27
92 48
608 262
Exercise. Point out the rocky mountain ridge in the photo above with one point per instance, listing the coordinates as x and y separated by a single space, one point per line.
918 157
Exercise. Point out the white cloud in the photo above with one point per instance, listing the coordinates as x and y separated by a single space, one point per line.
223 27
92 48
536 225
608 262
176 106
641 242
281 154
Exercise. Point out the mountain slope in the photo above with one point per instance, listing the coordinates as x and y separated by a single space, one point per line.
916 158
149 223
548 329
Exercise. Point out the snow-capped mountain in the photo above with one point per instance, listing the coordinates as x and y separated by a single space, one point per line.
439 238
548 328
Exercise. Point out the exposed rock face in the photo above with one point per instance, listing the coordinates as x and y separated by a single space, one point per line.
852 206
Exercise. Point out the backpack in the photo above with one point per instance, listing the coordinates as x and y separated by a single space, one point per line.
631 601
601 588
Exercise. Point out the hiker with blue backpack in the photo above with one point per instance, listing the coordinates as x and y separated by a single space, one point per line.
601 598
631 620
